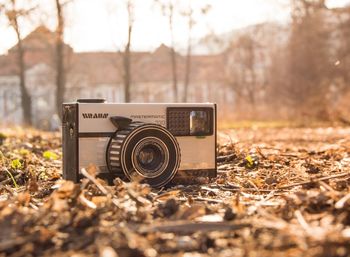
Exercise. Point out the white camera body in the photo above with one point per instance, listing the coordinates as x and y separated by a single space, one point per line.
154 142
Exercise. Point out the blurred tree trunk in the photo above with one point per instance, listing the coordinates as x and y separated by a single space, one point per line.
26 99
127 55
189 14
342 65
60 70
13 14
173 53
188 55
250 62
308 59
168 8
242 72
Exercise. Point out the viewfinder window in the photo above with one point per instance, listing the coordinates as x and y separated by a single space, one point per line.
190 121
199 123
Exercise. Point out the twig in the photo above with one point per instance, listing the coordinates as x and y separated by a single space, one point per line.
94 180
11 243
302 222
225 158
130 192
255 186
315 180
224 170
33 206
340 204
11 178
232 185
100 186
208 200
189 227
289 155
258 149
326 186
167 194
241 189
138 199
86 202
4 182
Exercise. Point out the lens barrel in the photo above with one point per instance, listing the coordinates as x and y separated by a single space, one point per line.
144 152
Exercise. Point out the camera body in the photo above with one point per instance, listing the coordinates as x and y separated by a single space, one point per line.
149 142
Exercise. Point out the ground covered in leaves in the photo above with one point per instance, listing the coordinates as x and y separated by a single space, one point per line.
279 192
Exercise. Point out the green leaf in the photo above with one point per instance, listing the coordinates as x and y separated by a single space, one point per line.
50 155
16 164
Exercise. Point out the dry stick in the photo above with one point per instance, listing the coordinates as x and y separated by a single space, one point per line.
289 155
203 199
258 149
224 158
242 189
13 242
189 227
94 180
310 231
133 196
87 202
223 171
255 186
340 204
99 186
302 222
315 180
326 186
9 179
33 206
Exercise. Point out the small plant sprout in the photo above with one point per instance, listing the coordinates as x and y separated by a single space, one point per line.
16 164
50 155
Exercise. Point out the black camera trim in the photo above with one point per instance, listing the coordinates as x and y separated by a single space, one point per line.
188 110
70 141
91 100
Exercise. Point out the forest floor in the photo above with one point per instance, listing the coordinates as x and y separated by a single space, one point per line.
279 192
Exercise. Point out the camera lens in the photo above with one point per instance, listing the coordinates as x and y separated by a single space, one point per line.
144 152
147 157
150 157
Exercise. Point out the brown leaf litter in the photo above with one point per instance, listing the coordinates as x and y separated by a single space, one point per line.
279 192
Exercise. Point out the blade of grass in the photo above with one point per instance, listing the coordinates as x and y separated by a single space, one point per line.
12 178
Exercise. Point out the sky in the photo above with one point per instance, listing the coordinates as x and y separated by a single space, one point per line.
101 25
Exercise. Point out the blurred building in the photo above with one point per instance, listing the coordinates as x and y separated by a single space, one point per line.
100 75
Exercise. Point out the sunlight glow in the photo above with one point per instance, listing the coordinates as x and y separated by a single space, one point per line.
97 25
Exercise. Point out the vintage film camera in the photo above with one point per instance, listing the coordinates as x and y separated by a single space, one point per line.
148 142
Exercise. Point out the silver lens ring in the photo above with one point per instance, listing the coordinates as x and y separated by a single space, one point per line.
150 157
